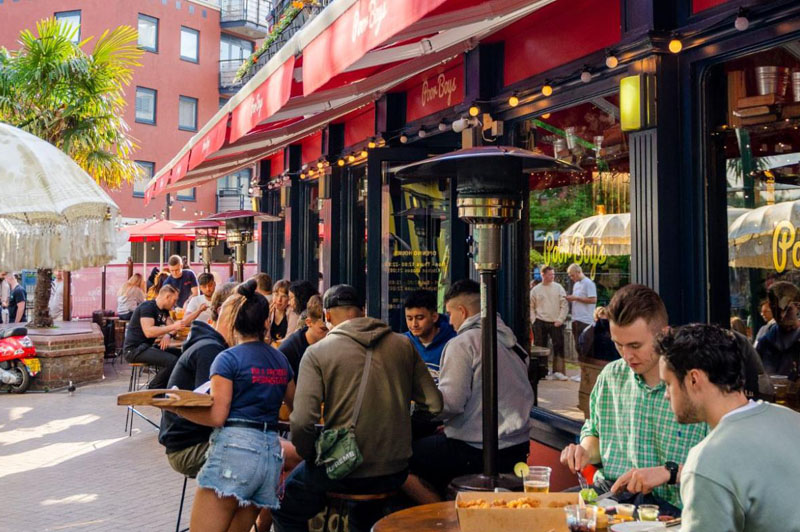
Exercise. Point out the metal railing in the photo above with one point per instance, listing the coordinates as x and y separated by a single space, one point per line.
253 11
227 74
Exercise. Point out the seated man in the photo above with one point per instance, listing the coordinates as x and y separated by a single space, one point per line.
440 458
779 347
631 429
207 287
151 320
294 347
743 475
187 442
428 330
331 372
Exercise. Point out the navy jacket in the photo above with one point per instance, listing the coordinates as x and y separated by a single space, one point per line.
432 355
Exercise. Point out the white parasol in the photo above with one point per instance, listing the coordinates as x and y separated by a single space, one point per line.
612 231
52 213
750 236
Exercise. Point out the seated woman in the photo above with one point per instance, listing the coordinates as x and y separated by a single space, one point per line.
158 282
248 384
130 296
279 316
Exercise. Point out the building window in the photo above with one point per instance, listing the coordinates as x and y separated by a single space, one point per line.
140 184
148 33
71 19
145 105
235 184
187 194
233 48
187 113
190 40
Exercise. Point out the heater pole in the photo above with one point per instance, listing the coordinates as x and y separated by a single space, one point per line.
489 370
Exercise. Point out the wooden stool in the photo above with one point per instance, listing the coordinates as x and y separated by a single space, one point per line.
135 384
340 504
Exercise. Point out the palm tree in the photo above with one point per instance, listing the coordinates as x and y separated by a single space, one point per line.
55 90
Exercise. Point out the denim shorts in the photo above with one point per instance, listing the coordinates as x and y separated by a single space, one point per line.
244 463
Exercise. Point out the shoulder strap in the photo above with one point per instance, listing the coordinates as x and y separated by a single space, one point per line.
362 387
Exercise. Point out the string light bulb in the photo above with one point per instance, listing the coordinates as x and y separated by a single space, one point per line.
302 176
372 145
320 165
675 45
443 126
474 110
742 22
513 101
403 139
422 133
546 116
351 158
340 162
611 60
586 76
364 153
547 89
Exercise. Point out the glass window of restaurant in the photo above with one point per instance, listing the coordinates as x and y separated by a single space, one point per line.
581 218
354 237
754 155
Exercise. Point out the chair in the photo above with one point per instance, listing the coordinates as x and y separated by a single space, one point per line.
340 504
135 384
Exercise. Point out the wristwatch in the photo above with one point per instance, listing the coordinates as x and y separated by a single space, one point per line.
672 467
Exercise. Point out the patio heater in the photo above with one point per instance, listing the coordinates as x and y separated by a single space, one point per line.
490 185
240 231
206 236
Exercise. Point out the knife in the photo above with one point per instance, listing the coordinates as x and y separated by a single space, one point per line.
605 495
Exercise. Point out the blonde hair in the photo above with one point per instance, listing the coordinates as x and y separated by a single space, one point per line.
136 280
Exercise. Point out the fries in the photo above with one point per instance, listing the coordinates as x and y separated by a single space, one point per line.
522 502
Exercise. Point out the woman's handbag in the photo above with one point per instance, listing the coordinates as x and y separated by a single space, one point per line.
337 449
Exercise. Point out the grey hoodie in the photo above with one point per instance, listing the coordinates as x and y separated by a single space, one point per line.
330 373
460 383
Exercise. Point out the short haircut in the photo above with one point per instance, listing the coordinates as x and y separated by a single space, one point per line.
421 299
281 286
302 290
264 281
574 268
314 308
547 269
220 295
205 278
464 287
635 301
167 289
175 260
708 348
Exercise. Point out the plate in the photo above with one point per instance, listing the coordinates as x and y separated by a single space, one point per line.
638 526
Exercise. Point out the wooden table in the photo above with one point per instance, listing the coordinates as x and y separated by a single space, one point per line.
439 516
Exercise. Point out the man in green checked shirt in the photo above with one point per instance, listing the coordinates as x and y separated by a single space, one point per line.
631 429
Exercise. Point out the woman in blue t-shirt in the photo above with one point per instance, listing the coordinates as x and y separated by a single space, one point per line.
248 384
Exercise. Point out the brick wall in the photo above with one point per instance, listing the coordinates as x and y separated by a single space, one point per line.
68 357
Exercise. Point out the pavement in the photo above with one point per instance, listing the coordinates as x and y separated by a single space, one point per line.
67 464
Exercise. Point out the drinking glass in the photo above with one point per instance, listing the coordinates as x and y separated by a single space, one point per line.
537 480
581 518
648 512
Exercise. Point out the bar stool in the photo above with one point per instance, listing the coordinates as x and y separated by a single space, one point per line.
341 504
180 508
136 383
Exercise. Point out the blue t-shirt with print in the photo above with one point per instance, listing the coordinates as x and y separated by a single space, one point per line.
260 374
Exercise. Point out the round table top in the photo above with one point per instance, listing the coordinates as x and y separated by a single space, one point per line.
439 516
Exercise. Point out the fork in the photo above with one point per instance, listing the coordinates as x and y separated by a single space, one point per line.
582 481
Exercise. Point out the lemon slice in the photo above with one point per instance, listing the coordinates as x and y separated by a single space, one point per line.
521 469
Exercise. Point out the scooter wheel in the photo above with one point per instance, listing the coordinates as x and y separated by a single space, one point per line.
23 380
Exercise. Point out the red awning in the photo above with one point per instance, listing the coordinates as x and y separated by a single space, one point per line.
349 55
155 230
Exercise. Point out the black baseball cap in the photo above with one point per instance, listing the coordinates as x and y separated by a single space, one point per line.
341 295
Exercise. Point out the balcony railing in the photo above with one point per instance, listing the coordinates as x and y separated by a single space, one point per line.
227 75
248 17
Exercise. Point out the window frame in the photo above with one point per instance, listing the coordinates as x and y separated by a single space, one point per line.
187 99
186 197
156 21
155 107
58 14
143 164
195 59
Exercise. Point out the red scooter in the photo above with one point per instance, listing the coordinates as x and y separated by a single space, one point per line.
18 362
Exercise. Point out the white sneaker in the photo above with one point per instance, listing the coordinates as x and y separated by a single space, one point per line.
560 376
549 377
575 378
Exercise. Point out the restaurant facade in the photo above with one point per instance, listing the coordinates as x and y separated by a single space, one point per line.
682 116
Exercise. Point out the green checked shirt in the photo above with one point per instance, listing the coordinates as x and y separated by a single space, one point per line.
636 427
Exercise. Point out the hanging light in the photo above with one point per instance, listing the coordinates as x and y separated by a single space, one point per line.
586 75
675 45
547 89
742 22
611 60
513 100
403 138
474 110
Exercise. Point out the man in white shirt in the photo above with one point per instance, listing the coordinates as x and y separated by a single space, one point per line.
207 287
583 299
549 307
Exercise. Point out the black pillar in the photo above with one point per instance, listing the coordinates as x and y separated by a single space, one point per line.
293 227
